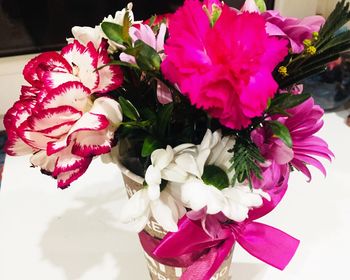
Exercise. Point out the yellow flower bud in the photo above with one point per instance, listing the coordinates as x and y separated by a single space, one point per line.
311 50
283 71
307 43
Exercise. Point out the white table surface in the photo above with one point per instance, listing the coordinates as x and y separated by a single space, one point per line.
47 233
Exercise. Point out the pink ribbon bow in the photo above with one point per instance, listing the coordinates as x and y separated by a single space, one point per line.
203 254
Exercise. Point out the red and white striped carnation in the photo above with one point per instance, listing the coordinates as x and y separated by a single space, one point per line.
58 119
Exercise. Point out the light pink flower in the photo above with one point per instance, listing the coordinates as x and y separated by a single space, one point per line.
145 33
225 70
57 120
294 29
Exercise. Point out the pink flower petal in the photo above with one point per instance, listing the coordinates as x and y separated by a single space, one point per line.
89 122
66 161
54 79
16 147
111 77
44 120
49 61
92 143
164 95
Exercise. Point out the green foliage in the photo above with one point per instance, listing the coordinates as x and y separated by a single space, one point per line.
128 109
149 145
281 131
113 31
146 57
118 33
245 160
281 102
164 117
261 5
215 176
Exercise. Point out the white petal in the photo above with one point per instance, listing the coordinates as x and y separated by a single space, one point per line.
188 163
201 160
182 147
162 157
44 161
163 213
215 200
235 212
153 192
205 144
136 207
153 176
85 34
174 173
161 37
109 108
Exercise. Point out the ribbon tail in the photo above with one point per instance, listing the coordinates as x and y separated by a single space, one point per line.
207 265
268 244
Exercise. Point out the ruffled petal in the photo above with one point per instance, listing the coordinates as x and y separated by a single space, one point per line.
84 62
111 77
74 94
49 61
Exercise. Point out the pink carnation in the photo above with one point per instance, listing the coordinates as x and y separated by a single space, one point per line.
226 70
56 119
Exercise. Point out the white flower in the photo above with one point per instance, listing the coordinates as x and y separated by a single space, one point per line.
141 206
85 34
234 202
196 195
240 199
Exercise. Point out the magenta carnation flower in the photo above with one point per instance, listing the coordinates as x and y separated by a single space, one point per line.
225 69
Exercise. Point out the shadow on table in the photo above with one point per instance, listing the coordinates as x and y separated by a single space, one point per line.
87 236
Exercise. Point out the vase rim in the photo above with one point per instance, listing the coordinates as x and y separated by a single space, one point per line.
138 179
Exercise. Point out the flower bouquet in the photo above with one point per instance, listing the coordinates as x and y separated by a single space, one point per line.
204 112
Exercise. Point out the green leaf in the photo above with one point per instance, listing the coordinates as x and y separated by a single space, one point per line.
245 159
128 109
149 145
282 132
120 63
146 57
215 176
285 101
113 31
152 20
126 26
164 117
261 5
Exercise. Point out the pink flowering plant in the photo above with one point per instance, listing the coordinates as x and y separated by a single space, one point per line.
206 104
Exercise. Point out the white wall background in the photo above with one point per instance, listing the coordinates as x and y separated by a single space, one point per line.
302 8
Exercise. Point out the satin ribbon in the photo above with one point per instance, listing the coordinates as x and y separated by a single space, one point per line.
202 254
